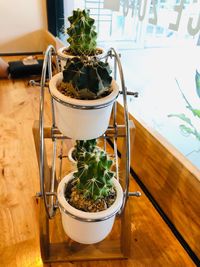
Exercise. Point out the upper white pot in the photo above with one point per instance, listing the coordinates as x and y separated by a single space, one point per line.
81 119
63 56
87 227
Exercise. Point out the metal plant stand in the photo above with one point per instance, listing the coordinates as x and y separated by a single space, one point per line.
55 245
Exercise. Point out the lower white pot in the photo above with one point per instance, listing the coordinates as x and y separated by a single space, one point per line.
87 227
70 155
81 119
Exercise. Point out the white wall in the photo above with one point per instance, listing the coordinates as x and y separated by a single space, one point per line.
22 25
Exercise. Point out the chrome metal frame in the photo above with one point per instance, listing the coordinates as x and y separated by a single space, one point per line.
84 219
47 63
117 62
82 106
50 198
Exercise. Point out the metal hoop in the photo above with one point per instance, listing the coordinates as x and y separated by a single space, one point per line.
86 220
47 63
117 63
82 106
50 205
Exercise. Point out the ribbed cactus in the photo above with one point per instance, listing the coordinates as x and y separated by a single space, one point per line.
81 147
87 78
82 34
94 174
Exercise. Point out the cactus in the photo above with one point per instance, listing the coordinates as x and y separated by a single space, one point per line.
94 174
82 146
87 78
82 34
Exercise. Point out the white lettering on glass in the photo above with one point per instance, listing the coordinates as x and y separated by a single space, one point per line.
141 5
141 16
178 9
195 30
155 17
132 6
113 5
125 7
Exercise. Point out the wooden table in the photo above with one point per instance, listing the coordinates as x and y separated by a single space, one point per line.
153 244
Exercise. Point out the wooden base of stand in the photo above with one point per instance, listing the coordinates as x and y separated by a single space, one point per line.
57 247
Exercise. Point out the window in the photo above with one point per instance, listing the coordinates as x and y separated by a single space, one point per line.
158 41
55 13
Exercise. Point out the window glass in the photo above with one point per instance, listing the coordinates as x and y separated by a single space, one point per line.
159 45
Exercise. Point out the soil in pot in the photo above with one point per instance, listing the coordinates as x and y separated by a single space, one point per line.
67 89
76 199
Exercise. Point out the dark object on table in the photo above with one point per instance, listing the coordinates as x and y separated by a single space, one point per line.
25 68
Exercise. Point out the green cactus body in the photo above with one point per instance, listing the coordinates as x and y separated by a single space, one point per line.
94 175
82 146
82 34
90 78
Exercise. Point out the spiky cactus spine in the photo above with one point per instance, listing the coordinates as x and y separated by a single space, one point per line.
87 78
94 174
82 34
83 146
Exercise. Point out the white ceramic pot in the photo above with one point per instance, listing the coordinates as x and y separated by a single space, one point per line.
81 124
82 231
64 56
70 155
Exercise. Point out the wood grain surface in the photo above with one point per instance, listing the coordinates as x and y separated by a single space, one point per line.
152 243
171 179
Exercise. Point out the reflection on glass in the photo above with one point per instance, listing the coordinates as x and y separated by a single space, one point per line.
158 42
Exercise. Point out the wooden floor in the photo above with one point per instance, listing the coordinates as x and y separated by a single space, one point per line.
153 244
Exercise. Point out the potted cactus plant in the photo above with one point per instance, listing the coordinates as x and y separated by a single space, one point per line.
83 95
90 198
81 147
82 37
